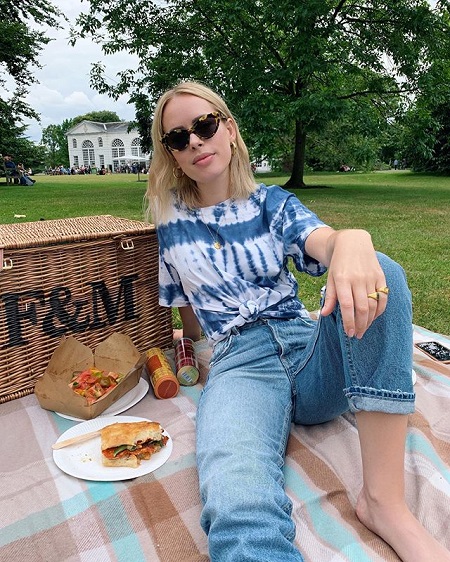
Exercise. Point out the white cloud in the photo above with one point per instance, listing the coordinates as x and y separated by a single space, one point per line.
77 99
64 91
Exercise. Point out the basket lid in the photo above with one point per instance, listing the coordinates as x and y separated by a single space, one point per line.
32 234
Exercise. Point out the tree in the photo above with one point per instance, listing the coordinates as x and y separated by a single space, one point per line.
20 46
12 140
55 141
423 130
104 116
10 125
285 69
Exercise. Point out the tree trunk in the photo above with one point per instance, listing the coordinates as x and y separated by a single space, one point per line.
298 166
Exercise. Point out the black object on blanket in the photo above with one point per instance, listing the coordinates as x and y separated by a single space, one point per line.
435 350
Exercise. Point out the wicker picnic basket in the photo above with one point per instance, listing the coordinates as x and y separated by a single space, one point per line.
86 277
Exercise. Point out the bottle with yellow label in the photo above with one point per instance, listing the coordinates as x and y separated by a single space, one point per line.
164 382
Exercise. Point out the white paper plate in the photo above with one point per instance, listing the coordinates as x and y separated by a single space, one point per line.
85 459
132 397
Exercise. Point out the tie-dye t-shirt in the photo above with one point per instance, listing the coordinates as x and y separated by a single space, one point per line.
247 277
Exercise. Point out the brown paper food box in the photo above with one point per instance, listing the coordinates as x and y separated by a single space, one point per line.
116 353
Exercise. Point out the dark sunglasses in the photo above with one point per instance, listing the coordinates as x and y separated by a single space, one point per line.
203 127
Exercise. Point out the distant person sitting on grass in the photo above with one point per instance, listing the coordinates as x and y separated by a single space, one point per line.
345 168
24 177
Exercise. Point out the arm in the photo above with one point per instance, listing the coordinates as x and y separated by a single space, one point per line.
353 273
191 327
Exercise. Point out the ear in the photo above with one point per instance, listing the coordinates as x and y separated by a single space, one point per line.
231 127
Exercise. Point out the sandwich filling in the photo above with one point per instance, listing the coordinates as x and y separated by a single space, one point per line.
131 441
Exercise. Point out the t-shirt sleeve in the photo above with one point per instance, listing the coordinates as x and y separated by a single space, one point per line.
171 291
298 223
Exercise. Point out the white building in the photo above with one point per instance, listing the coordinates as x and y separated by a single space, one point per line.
262 165
107 145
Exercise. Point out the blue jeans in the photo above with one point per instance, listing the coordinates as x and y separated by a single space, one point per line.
268 374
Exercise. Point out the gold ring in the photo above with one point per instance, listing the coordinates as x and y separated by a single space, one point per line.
384 290
374 296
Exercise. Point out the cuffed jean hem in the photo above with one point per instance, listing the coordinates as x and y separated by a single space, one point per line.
376 400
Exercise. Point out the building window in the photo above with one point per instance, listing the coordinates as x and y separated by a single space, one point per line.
74 143
102 160
136 148
76 162
88 153
118 148
100 142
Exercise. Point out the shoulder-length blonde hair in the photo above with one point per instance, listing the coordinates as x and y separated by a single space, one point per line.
161 180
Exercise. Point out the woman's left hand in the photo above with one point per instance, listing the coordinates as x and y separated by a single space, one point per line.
353 273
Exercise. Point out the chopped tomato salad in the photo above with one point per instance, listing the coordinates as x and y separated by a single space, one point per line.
94 383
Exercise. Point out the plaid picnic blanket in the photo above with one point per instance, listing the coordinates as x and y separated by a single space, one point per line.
46 515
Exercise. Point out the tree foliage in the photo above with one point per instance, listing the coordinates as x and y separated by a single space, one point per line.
55 142
104 116
286 69
423 130
353 139
20 44
22 37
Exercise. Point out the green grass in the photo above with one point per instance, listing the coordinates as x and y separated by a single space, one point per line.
55 197
407 214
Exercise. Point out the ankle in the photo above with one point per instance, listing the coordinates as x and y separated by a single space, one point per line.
373 510
394 523
381 499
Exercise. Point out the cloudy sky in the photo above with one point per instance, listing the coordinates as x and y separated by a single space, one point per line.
63 91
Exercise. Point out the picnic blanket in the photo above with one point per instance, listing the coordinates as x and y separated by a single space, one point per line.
47 515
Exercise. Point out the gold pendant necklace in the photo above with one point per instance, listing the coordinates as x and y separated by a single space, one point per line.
215 236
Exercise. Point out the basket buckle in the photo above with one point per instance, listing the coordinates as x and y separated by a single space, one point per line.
7 263
127 244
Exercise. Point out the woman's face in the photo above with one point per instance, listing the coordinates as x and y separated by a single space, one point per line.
206 161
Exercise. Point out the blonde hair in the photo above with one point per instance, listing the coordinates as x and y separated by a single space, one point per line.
161 181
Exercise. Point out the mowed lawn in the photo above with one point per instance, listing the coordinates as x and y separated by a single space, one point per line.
407 214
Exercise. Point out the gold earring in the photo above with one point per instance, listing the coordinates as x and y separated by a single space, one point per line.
177 173
233 148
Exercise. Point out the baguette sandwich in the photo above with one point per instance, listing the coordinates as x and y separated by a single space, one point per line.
125 444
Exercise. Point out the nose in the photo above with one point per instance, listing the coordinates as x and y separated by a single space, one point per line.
194 140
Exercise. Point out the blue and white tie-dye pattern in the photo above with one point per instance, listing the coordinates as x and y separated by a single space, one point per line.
248 277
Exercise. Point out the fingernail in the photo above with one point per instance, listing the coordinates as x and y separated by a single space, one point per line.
351 333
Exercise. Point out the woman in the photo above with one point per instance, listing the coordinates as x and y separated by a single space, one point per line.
224 246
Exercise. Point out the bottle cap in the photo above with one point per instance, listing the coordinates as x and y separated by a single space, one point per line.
188 375
167 387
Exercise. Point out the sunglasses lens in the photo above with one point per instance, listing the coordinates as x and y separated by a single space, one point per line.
178 139
206 127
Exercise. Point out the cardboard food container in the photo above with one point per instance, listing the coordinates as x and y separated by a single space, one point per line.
116 353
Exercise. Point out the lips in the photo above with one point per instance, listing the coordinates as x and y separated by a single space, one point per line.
201 157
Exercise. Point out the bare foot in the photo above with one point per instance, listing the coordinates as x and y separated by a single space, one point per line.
401 530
